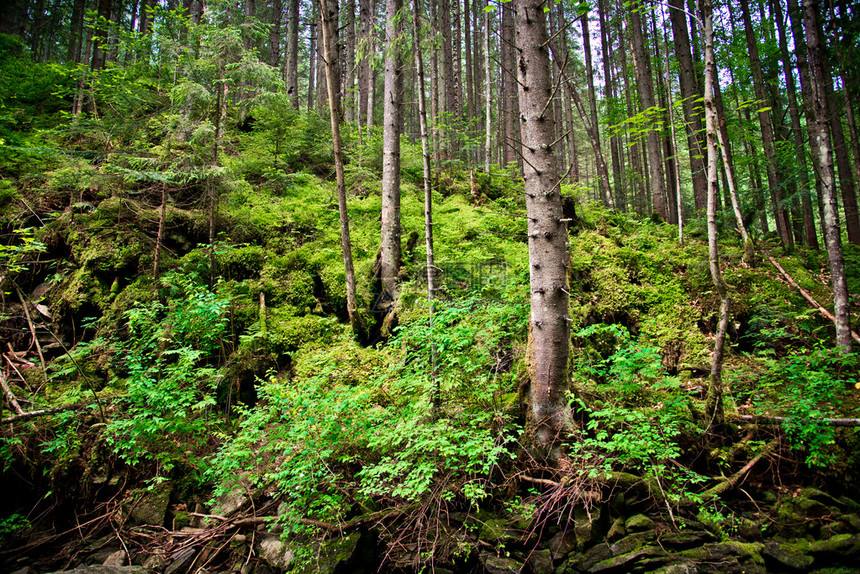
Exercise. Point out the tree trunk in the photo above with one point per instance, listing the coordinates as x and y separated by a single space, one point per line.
714 408
488 112
312 62
594 129
467 45
293 55
609 93
549 330
392 127
77 30
159 240
689 93
101 35
823 157
780 214
645 87
810 237
428 194
328 10
349 67
508 95
275 33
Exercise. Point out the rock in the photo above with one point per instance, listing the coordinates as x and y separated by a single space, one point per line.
150 507
842 545
588 559
561 545
617 530
632 542
639 522
181 560
792 555
820 497
333 555
275 553
539 560
684 568
24 570
157 560
102 569
585 525
115 559
686 539
500 565
626 559
496 531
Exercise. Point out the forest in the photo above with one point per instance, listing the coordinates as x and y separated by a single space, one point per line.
443 286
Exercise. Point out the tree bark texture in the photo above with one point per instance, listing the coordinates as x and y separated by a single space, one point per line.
550 333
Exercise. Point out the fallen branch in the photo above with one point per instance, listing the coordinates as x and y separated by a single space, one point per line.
732 481
808 297
762 419
24 416
237 522
10 396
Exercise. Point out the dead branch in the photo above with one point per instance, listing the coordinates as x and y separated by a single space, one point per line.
807 296
733 480
762 419
24 416
10 396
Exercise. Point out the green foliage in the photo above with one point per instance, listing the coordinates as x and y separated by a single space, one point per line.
808 387
170 384
12 526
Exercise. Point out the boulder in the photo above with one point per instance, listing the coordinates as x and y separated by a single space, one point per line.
274 552
494 564
150 506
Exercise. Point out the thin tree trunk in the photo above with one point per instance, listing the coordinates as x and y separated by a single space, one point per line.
348 87
328 10
609 93
293 55
810 237
392 127
312 63
594 129
488 112
714 408
159 240
275 33
645 88
824 158
547 231
508 93
428 196
780 214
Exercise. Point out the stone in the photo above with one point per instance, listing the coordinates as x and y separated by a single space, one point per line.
275 553
792 555
539 560
496 531
157 560
840 544
494 564
150 506
639 522
333 555
616 562
686 539
561 545
617 530
102 569
589 558
115 559
181 560
682 568
632 542
585 525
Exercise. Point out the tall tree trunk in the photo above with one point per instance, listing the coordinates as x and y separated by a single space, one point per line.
645 87
312 62
488 112
663 100
508 95
77 30
293 54
349 67
101 35
547 231
392 127
428 194
609 93
780 214
467 45
594 129
823 157
328 11
159 239
364 61
714 408
689 93
810 237
275 33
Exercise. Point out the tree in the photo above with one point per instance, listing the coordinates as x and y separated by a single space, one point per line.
547 230
389 268
328 11
823 157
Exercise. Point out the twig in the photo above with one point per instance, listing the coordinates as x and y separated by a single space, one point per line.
10 396
734 479
763 419
24 302
807 296
23 416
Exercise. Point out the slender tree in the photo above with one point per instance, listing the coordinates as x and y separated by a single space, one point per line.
547 231
328 11
389 267
823 158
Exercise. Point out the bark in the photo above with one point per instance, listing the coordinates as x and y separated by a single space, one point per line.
213 188
275 33
780 214
809 235
488 112
508 95
312 65
714 403
293 54
668 149
549 331
645 88
349 67
568 103
159 239
364 57
594 131
692 110
100 37
428 193
467 44
822 155
392 127
77 29
328 11
609 82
